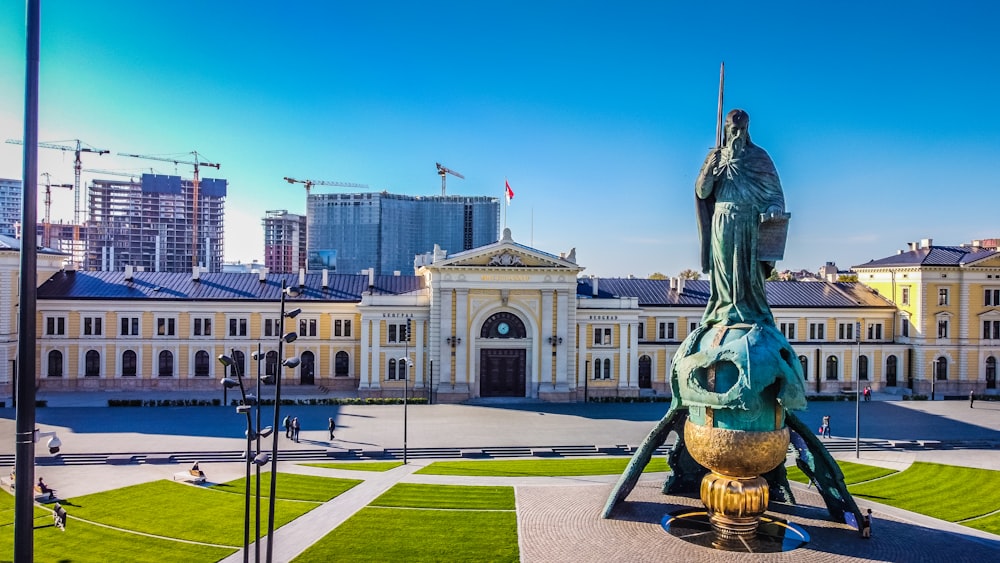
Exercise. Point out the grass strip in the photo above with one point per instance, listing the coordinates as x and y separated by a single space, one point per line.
83 542
417 536
947 492
292 486
179 511
989 524
853 472
538 467
414 495
358 465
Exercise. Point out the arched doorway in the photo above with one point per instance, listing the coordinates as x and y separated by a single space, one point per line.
502 369
307 371
991 373
645 372
891 366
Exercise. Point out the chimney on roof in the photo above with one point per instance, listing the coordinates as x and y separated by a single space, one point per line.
302 277
912 245
926 242
371 278
593 285
129 272
395 273
195 273
681 282
262 275
673 284
326 278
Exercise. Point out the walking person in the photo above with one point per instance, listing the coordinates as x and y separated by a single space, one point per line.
287 423
295 429
866 525
972 397
332 426
824 429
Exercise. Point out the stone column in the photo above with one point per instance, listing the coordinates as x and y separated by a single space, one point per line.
417 343
462 331
447 331
375 341
562 330
546 331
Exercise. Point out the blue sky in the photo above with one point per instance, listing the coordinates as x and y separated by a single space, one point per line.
598 113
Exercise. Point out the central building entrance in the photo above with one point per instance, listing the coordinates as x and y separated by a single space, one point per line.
502 373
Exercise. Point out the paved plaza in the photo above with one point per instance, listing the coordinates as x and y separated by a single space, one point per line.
558 518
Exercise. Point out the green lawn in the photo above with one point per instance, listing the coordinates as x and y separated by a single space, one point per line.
428 523
414 495
358 465
539 467
947 492
292 486
86 543
853 472
989 524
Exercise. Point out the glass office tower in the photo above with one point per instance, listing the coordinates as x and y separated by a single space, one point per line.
348 233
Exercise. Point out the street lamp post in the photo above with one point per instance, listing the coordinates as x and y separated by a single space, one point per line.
934 375
857 395
289 337
405 361
258 356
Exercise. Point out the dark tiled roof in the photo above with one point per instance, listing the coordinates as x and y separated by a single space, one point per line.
11 243
931 256
657 293
217 287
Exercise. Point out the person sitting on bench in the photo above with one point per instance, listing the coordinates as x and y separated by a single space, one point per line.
196 471
44 489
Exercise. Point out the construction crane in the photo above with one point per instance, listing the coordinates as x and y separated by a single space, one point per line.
197 164
310 183
119 172
46 221
444 170
77 148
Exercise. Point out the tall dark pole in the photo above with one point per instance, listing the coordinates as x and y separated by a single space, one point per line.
246 488
274 434
256 541
24 464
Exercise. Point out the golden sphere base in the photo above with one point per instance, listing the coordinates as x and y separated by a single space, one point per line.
734 504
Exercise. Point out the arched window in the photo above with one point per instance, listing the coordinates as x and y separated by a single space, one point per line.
341 364
202 361
392 368
941 366
92 364
607 368
991 373
166 364
831 368
503 325
805 366
863 368
402 369
307 371
240 359
891 367
271 364
129 363
55 364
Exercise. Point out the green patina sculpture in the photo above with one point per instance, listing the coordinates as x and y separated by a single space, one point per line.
736 373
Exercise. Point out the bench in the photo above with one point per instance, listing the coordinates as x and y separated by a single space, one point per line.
191 476
42 492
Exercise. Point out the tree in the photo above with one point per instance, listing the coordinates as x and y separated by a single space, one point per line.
690 274
657 276
847 278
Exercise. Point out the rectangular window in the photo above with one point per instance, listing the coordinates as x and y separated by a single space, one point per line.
942 329
602 336
662 331
845 331
307 327
943 296
904 297
130 326
670 331
788 330
816 331
905 327
93 326
347 327
338 327
238 327
991 298
392 333
55 326
165 326
991 330
203 326
692 327
272 327
641 331
875 331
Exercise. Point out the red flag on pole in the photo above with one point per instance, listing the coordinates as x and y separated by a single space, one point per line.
509 192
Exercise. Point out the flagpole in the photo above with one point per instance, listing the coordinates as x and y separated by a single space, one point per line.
506 202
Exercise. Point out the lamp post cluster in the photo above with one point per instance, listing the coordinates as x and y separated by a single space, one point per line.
254 432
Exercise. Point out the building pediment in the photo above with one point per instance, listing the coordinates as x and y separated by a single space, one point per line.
507 255
992 261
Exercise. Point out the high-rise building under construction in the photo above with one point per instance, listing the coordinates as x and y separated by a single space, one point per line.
348 233
150 224
284 241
